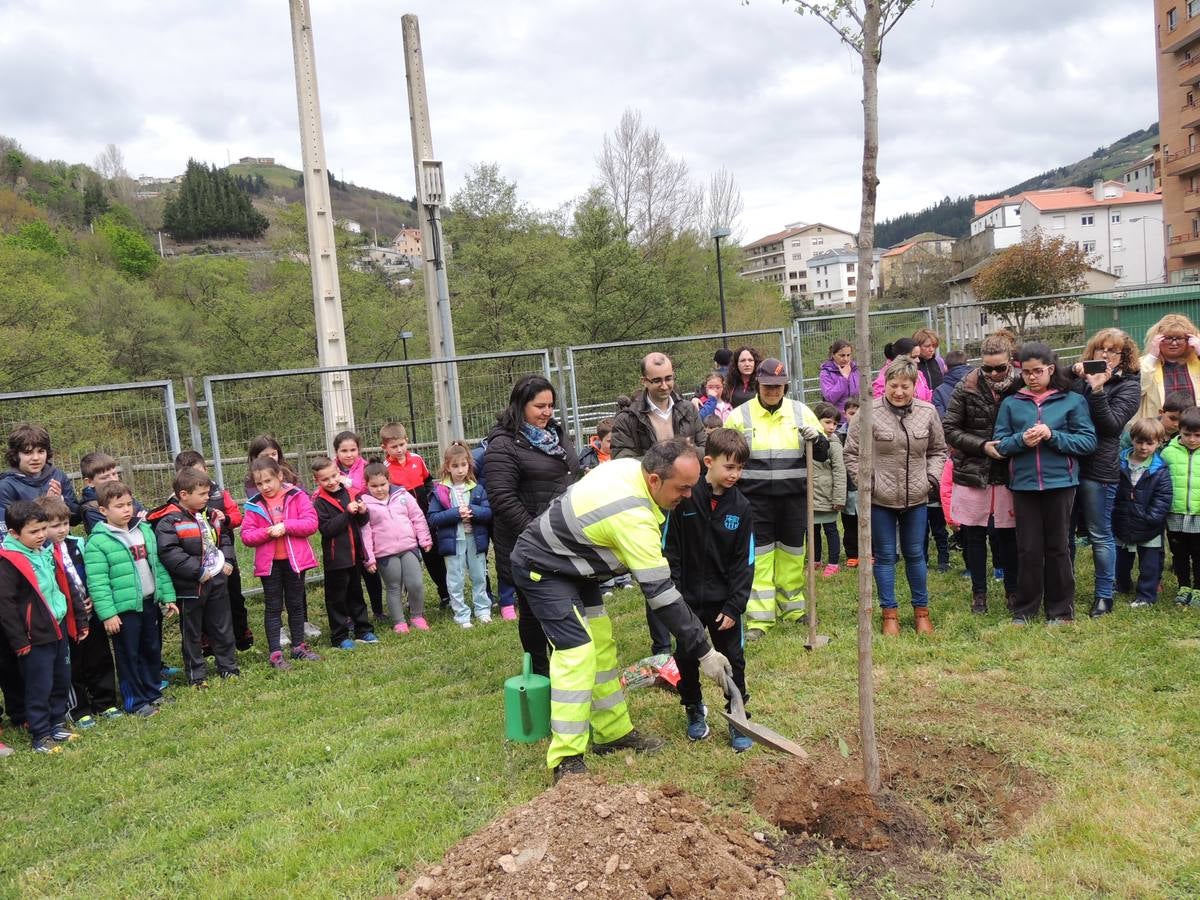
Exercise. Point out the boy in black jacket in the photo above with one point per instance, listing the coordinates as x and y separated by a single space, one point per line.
38 611
709 544
1144 499
198 554
341 516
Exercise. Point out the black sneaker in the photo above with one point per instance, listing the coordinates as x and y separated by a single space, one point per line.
571 765
200 685
48 745
638 743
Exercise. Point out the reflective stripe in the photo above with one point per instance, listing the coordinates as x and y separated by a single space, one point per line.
764 549
607 675
760 616
788 453
559 549
765 594
794 551
595 612
666 598
792 607
600 513
775 474
659 573
561 726
562 695
614 699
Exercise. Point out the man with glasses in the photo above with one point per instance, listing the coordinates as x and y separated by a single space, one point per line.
656 413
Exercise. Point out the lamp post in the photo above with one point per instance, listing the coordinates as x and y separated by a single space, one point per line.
404 338
718 233
1145 261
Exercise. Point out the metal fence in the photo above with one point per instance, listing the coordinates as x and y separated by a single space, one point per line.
598 373
964 326
287 405
135 423
812 336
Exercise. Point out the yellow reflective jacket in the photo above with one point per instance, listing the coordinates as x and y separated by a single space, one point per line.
776 465
608 525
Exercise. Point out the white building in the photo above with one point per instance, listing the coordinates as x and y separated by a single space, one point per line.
1140 176
833 277
780 258
1121 229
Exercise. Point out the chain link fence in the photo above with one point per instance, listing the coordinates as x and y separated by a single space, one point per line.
287 405
599 373
134 423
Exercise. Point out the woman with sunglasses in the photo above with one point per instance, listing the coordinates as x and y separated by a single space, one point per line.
1043 430
1171 364
980 500
1112 397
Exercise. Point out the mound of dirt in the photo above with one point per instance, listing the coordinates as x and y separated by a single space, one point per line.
583 838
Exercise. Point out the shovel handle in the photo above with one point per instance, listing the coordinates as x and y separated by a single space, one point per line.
737 706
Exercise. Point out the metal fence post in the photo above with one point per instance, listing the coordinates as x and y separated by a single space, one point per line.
172 421
189 387
214 440
566 408
798 357
577 424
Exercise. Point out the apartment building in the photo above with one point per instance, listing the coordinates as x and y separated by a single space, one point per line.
922 255
1144 175
780 258
1177 27
833 277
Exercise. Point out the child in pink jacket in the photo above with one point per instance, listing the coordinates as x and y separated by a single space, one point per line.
397 528
278 522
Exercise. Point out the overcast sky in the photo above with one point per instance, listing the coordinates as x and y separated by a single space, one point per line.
975 94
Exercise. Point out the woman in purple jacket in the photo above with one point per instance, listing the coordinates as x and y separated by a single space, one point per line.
839 375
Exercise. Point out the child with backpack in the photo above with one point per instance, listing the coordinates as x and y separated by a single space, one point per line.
459 511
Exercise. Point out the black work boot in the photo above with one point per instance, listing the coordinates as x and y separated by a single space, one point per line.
979 603
638 743
570 765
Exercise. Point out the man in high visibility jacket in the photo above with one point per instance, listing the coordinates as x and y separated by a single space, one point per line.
775 482
606 525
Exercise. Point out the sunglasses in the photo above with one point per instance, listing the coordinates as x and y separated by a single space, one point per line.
994 370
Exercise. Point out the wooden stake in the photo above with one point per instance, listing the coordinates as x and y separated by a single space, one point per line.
814 640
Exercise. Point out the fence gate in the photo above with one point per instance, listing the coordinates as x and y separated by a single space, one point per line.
287 405
135 423
812 336
599 373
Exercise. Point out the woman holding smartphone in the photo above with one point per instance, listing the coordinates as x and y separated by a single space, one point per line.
1108 379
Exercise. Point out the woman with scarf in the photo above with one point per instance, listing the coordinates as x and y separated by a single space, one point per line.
530 460
741 378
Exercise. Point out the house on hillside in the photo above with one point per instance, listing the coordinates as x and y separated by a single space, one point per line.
1120 228
921 256
257 161
969 323
780 258
349 225
833 277
1145 175
408 244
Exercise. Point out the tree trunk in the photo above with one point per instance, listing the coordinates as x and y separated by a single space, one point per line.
866 241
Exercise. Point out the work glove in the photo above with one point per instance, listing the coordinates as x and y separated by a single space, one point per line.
808 432
716 666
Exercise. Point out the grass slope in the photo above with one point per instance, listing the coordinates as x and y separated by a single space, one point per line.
329 779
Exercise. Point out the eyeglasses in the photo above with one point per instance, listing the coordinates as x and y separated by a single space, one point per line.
1111 351
659 382
1175 339
1035 373
994 370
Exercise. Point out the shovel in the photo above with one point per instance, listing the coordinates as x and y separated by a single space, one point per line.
760 734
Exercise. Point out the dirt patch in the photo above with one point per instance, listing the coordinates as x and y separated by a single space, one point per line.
584 838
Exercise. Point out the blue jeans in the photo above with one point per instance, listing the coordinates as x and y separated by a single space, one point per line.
911 524
468 559
1095 499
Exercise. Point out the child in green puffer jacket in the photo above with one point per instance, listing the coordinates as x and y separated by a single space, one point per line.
1183 522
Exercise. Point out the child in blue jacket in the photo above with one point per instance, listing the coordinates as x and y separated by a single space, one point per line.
1042 430
460 514
1143 501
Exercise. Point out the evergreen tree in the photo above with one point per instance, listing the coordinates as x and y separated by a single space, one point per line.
211 203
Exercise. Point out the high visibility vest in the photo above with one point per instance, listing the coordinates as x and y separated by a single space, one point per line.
776 463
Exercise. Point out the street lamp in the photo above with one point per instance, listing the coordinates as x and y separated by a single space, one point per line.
1145 261
404 338
716 234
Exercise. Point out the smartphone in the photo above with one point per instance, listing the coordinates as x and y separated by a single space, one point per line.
1094 367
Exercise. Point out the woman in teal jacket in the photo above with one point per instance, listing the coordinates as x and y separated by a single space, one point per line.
1042 430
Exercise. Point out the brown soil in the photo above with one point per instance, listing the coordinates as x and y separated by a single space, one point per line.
583 838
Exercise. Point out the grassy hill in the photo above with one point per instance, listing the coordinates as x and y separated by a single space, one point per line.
366 206
953 216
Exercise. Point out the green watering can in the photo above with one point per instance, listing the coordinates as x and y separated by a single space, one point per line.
527 706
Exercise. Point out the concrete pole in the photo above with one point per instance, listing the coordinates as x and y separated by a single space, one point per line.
447 406
336 402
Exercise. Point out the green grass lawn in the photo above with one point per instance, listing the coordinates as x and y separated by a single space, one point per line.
330 779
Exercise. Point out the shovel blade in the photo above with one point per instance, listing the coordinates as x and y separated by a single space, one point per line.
817 642
760 734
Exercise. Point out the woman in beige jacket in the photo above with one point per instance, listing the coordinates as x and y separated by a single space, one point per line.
910 452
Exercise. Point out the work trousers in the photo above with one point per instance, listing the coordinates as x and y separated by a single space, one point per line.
93 679
46 669
207 614
344 605
1043 546
778 587
585 680
138 649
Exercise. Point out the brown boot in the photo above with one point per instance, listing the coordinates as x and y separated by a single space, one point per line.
921 620
979 603
891 623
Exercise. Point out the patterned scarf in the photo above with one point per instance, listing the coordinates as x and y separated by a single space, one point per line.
543 439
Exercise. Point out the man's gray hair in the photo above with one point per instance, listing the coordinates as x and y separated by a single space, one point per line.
656 358
660 458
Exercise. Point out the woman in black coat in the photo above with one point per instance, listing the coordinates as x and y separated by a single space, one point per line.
1113 397
530 460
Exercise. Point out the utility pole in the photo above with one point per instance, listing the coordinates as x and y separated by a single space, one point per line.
431 196
336 402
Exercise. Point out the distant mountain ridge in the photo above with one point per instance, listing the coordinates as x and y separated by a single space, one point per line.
953 216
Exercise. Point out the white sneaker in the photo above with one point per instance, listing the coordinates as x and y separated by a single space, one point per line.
484 620
285 639
311 631
464 625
